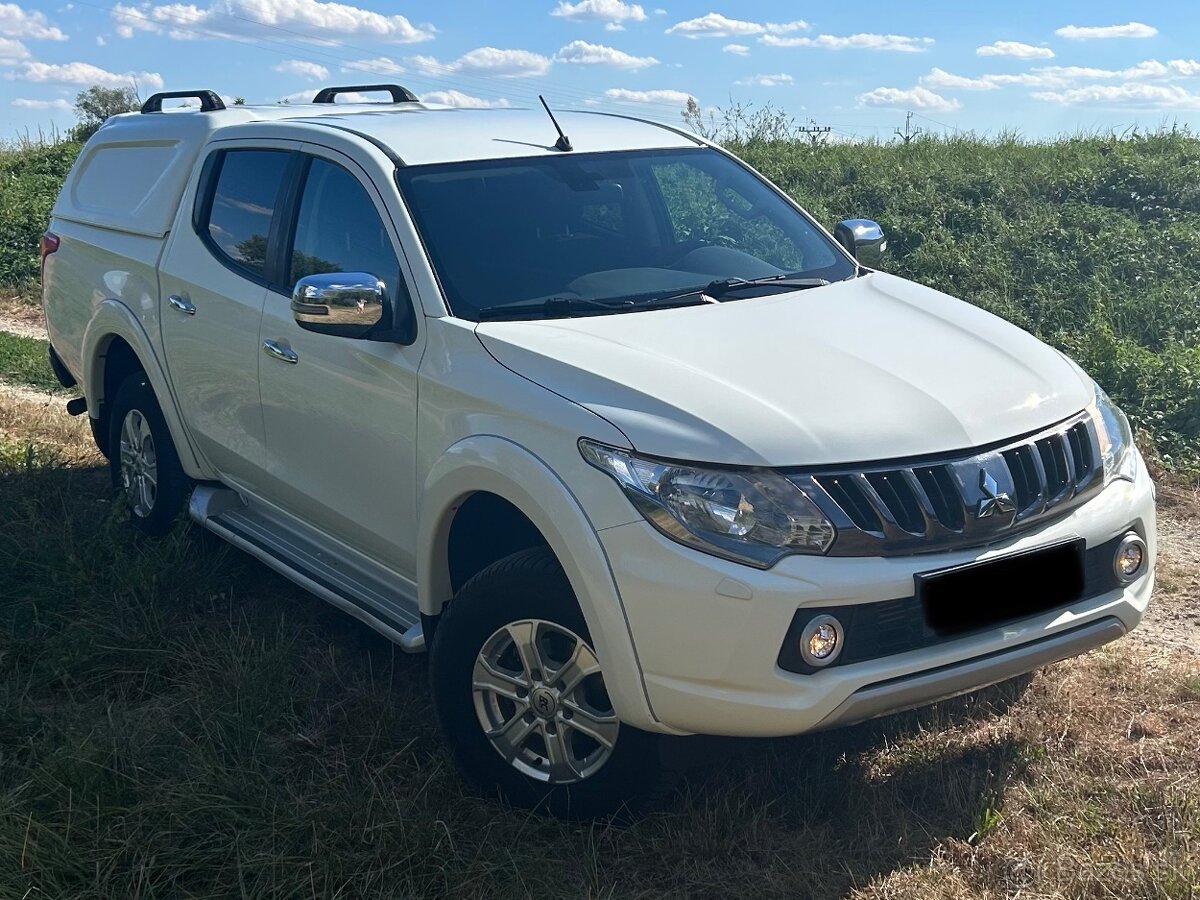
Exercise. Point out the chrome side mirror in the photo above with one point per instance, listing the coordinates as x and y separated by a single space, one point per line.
344 304
863 239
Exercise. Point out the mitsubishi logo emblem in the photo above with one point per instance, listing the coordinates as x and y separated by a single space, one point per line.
993 500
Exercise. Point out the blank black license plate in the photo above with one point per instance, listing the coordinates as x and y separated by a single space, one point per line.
982 594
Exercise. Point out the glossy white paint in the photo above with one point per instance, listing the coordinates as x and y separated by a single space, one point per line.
870 369
370 449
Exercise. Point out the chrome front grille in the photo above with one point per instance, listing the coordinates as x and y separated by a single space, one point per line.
970 499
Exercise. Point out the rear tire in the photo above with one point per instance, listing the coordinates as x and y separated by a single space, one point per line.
520 696
143 460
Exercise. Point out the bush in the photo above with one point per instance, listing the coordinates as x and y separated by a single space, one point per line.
1087 241
30 176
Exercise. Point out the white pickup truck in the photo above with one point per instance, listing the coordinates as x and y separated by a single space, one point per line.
601 417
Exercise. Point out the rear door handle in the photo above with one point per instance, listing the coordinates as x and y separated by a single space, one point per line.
280 351
183 304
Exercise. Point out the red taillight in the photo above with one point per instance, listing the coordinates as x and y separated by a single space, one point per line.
49 245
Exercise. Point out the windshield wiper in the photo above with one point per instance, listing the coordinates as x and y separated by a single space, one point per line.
565 306
550 308
718 289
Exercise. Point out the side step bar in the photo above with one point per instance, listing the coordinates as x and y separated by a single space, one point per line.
367 593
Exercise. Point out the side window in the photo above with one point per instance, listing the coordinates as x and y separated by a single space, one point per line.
339 230
243 202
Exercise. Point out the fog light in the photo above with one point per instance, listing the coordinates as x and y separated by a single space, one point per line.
1130 558
821 641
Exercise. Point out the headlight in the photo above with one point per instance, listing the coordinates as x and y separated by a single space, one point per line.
753 516
1117 449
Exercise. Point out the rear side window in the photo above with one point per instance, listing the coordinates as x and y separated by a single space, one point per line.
243 202
339 230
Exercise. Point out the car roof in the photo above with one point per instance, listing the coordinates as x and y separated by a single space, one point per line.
416 134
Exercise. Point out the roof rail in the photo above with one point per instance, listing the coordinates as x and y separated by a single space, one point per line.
399 94
209 101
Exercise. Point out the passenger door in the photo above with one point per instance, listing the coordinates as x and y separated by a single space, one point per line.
212 282
341 413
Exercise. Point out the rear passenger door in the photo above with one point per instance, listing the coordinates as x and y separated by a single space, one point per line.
213 281
340 412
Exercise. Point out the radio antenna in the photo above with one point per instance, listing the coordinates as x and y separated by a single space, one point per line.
563 142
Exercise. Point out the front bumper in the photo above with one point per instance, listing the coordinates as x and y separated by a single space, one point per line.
708 632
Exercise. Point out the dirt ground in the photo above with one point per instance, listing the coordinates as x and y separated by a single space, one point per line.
1173 619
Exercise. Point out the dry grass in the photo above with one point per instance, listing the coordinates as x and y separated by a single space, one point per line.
175 720
21 314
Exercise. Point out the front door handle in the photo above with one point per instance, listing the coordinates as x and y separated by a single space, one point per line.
280 351
183 304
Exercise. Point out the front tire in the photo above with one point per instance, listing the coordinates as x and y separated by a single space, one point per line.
143 460
520 695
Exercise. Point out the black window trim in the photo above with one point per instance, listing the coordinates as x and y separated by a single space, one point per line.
288 214
206 192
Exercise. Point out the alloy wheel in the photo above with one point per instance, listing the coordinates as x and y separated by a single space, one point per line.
139 463
540 698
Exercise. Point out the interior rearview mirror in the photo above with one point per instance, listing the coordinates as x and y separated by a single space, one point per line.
863 239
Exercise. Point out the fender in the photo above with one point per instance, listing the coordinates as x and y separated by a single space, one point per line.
113 319
502 467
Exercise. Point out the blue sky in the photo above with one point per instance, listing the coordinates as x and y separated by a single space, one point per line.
1040 68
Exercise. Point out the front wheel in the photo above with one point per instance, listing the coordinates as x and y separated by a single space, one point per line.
520 694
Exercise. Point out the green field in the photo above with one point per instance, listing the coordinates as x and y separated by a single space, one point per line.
1090 242
177 721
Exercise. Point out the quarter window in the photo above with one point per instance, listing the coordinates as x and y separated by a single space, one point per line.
244 198
339 230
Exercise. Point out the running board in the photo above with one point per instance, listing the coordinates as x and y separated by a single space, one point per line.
364 590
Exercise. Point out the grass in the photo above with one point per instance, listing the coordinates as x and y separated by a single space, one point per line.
1088 241
181 722
23 361
176 721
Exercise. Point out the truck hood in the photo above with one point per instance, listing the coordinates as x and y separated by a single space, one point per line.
869 369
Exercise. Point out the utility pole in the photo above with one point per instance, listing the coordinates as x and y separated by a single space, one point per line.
909 133
815 133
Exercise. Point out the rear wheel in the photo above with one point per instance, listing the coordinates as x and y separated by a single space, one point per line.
143 460
520 695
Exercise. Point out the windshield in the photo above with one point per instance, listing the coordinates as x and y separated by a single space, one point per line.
587 234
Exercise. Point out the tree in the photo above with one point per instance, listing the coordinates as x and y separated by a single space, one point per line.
95 105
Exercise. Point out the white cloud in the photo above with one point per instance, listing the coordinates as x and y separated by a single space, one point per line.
1063 76
1015 49
82 73
19 23
463 101
736 49
767 80
597 54
12 52
488 61
100 41
912 98
1090 32
61 105
668 97
312 19
894 42
1131 94
380 65
302 68
715 25
612 12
